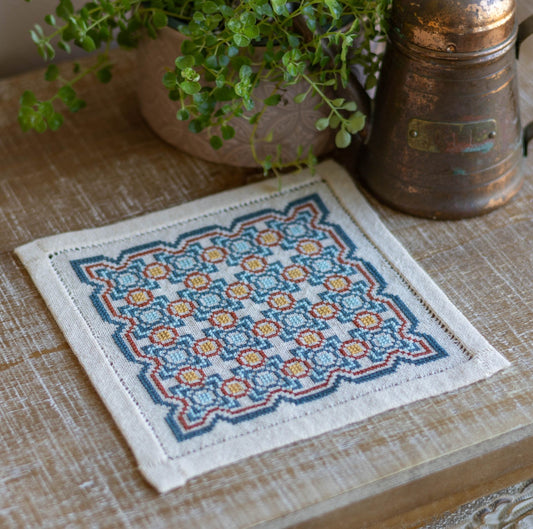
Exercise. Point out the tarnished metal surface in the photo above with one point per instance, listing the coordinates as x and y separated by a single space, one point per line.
442 136
446 138
454 25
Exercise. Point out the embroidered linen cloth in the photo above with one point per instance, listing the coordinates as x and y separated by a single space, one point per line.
248 320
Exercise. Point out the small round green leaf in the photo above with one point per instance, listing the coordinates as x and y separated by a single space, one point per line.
294 40
356 122
88 43
108 7
255 118
280 7
182 114
241 40
335 7
245 71
55 121
52 72
77 105
50 20
232 51
49 51
170 80
35 37
228 132
195 126
67 94
350 106
209 7
159 19
174 95
25 118
190 87
322 124
272 100
371 82
64 9
211 62
215 142
46 109
252 32
39 124
65 46
342 139
104 75
28 99
334 121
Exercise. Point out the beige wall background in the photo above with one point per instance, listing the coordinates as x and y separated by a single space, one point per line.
17 51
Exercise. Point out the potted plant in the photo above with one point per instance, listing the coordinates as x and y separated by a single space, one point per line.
226 54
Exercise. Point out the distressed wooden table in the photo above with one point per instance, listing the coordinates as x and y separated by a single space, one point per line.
64 462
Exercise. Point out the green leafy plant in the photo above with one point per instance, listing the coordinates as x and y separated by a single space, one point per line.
217 70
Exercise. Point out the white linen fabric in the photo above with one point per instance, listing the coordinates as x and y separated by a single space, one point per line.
258 317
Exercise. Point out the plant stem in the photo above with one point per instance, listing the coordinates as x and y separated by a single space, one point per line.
324 97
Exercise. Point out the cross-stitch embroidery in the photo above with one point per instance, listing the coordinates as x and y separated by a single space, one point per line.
230 321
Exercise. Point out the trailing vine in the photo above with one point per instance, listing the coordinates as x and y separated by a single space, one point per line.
217 70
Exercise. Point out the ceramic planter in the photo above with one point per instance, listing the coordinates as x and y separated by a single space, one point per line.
292 124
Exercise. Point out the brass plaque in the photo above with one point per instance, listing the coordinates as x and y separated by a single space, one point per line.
456 138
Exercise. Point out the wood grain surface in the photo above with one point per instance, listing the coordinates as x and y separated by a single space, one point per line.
65 464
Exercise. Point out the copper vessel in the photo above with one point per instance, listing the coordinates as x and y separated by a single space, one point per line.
445 139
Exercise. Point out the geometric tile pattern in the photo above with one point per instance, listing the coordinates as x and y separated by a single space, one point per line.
229 321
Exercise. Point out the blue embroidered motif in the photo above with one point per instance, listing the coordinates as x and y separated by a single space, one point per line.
228 322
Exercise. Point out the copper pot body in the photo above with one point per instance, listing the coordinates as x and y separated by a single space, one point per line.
446 140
